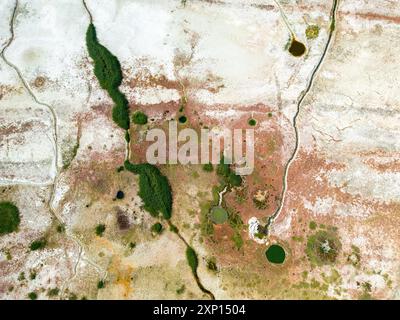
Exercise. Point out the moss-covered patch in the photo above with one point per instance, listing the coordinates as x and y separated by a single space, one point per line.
9 217
208 167
99 230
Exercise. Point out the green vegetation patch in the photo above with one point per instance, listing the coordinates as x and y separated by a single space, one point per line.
275 254
182 119
312 32
218 215
236 224
208 167
32 295
252 122
296 48
139 118
53 292
107 70
157 228
9 217
38 244
100 228
323 247
60 228
192 260
154 189
101 284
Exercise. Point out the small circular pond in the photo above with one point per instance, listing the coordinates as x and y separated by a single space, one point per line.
218 215
275 254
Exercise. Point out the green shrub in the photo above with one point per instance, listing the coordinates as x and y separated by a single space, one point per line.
154 189
208 167
212 264
120 111
218 215
60 228
101 284
192 260
53 292
181 289
224 170
182 119
127 137
100 229
38 244
32 295
107 68
323 247
139 118
173 228
157 228
252 122
9 217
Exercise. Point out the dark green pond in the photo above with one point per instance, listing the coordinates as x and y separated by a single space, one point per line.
275 254
296 48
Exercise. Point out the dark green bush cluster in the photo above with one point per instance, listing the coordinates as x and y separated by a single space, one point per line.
208 167
107 70
191 257
101 284
224 170
38 244
139 118
154 189
100 229
9 217
53 292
